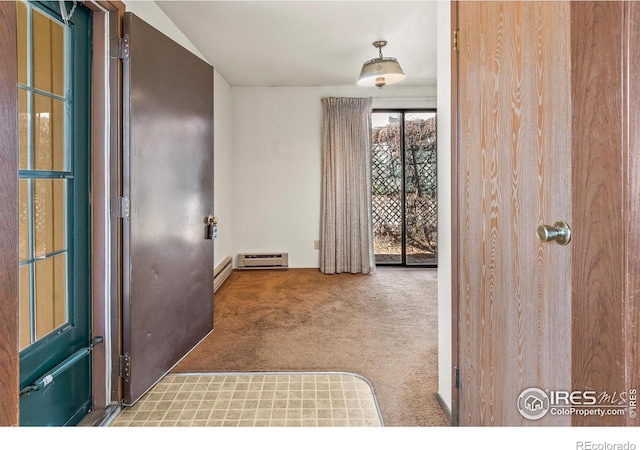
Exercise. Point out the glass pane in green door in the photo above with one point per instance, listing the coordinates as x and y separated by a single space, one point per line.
48 54
49 206
23 211
23 129
49 132
51 294
25 308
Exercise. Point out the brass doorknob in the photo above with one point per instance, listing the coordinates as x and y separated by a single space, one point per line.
559 232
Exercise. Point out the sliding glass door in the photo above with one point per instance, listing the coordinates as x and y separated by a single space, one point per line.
404 201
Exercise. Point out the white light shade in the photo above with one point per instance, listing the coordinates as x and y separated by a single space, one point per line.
380 72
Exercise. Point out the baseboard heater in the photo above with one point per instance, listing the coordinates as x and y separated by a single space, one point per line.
263 261
222 272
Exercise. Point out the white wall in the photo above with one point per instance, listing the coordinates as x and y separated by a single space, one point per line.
222 166
277 164
444 202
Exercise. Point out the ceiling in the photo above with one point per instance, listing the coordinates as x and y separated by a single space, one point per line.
308 43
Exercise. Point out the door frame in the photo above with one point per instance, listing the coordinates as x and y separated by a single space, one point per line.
9 301
605 312
106 143
632 202
455 298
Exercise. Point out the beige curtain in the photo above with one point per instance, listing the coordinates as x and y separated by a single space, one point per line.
346 227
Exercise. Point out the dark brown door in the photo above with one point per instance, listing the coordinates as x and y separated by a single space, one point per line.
547 131
168 179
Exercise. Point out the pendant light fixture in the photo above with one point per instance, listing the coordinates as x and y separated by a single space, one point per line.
380 71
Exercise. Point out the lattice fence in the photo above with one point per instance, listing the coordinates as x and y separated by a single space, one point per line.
420 183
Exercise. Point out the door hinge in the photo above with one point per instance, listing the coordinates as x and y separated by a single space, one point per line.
456 377
456 40
120 208
125 367
120 48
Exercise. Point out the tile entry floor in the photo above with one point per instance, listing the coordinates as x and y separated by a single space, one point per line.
255 400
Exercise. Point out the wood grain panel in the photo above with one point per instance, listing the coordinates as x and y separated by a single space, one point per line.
598 242
514 155
9 364
632 201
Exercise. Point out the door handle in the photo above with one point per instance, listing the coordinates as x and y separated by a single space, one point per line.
210 227
559 232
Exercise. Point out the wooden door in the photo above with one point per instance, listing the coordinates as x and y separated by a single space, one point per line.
514 166
547 131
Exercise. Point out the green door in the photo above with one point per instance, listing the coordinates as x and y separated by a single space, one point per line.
54 93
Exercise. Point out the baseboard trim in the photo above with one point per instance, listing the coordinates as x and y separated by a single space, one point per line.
444 407
222 272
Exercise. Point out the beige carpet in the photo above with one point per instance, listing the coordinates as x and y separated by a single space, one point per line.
381 326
